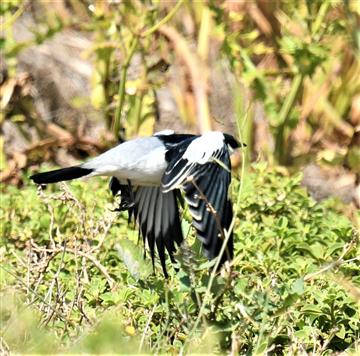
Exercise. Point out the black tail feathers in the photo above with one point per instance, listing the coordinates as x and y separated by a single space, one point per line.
60 175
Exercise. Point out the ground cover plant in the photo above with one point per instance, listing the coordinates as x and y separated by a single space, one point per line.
73 279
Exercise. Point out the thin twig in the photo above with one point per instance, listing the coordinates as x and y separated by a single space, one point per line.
32 291
164 20
54 280
146 328
213 212
91 258
106 228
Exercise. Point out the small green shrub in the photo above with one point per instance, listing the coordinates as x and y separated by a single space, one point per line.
292 287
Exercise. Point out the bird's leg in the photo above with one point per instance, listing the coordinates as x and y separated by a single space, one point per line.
127 201
131 192
131 201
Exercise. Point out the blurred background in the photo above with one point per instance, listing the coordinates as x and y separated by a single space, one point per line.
77 76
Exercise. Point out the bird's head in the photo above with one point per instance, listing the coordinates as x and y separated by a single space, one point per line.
232 143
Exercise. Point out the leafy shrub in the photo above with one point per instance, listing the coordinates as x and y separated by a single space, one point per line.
293 285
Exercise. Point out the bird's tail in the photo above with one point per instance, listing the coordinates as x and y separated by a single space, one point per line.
60 175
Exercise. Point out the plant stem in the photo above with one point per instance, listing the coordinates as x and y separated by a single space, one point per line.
106 83
138 107
163 20
204 34
320 17
13 17
121 91
284 116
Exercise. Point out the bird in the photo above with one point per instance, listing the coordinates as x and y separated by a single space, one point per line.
154 175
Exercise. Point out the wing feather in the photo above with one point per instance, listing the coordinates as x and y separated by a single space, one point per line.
159 223
209 179
140 213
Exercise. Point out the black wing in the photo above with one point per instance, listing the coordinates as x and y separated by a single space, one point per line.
206 192
157 216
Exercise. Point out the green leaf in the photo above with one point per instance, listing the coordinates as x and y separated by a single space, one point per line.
298 287
132 256
311 309
342 332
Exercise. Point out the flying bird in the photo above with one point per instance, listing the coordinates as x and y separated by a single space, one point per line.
149 174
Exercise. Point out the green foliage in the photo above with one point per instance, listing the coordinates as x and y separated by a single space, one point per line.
287 59
293 285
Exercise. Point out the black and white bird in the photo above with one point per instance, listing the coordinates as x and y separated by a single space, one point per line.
150 173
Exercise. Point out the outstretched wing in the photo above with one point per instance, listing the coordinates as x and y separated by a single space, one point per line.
201 168
211 210
157 216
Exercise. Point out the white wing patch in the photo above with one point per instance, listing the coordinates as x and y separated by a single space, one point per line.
203 148
192 161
